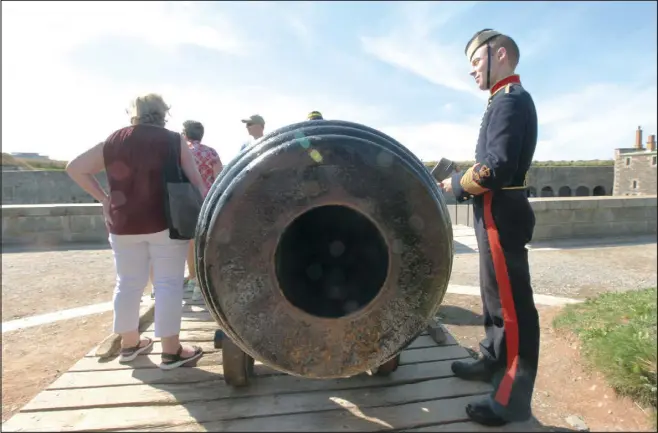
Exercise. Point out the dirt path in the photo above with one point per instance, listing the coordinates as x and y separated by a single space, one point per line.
75 278
64 279
564 388
42 282
33 358
577 273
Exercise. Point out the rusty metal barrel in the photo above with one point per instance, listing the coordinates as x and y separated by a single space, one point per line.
324 249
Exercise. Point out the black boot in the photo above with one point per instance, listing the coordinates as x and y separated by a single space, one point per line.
481 370
481 413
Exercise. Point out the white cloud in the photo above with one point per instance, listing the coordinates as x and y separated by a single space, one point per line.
59 110
414 46
55 109
55 28
52 108
591 123
587 124
432 141
221 111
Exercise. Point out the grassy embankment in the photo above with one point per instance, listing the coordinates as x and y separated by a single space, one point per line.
32 164
579 163
618 335
61 165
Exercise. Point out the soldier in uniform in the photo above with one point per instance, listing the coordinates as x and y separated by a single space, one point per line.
504 223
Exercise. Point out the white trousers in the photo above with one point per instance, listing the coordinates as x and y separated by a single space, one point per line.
133 256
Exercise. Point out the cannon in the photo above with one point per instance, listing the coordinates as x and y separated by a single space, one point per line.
322 251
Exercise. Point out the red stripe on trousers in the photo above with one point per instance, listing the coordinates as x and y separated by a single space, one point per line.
506 300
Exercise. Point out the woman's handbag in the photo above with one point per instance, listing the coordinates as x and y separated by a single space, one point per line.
182 199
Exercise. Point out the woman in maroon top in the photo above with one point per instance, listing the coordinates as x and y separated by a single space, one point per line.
133 158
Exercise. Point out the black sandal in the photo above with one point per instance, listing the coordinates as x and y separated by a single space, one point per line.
130 353
171 361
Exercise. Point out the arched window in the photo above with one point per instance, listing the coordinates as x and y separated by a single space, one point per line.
582 191
531 191
547 191
564 191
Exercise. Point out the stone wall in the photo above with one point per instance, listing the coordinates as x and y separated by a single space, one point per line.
44 187
593 217
53 224
581 217
570 181
557 218
635 172
567 182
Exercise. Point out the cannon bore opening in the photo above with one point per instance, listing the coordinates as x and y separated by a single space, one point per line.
331 261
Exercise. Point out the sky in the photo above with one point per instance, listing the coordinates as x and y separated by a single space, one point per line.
70 69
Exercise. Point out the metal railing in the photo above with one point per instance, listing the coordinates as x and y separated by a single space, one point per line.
461 213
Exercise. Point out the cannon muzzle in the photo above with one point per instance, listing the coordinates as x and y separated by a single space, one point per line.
324 249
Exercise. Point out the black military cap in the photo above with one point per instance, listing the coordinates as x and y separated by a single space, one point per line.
479 39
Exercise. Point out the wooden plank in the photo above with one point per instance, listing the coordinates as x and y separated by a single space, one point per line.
151 360
207 346
187 336
199 316
219 413
527 426
215 388
153 376
200 304
194 308
428 354
208 335
352 416
192 325
425 340
213 356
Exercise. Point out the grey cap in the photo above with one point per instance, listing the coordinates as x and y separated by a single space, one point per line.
255 119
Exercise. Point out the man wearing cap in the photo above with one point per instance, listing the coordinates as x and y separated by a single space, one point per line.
255 127
315 115
504 223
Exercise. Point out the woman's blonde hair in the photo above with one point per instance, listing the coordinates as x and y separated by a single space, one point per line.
148 109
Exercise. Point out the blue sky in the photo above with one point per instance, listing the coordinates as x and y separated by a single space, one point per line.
70 70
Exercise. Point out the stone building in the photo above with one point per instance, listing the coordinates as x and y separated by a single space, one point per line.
635 168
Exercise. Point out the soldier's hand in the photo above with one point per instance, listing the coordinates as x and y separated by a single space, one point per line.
446 184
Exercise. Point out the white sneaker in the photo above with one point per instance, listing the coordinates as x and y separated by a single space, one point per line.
189 285
196 294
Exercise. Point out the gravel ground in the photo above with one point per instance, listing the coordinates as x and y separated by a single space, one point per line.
577 273
565 387
46 281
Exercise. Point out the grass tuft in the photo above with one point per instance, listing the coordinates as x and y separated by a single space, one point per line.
618 335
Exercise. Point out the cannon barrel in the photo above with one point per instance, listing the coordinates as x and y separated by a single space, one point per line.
324 248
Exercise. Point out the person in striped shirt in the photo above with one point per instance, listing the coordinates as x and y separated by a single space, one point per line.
209 165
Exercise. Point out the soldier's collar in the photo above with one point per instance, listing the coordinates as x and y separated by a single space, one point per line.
512 79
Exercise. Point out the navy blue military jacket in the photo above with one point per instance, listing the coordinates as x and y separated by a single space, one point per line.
506 144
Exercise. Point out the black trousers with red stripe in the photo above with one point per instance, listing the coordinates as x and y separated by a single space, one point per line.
504 223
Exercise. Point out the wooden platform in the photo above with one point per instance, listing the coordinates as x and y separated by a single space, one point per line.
107 396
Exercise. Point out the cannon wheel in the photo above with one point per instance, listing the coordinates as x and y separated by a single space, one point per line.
218 339
238 366
389 366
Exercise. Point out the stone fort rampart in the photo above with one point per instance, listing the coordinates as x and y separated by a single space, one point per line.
56 187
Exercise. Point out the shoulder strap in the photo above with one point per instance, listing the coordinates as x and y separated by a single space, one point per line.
174 160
